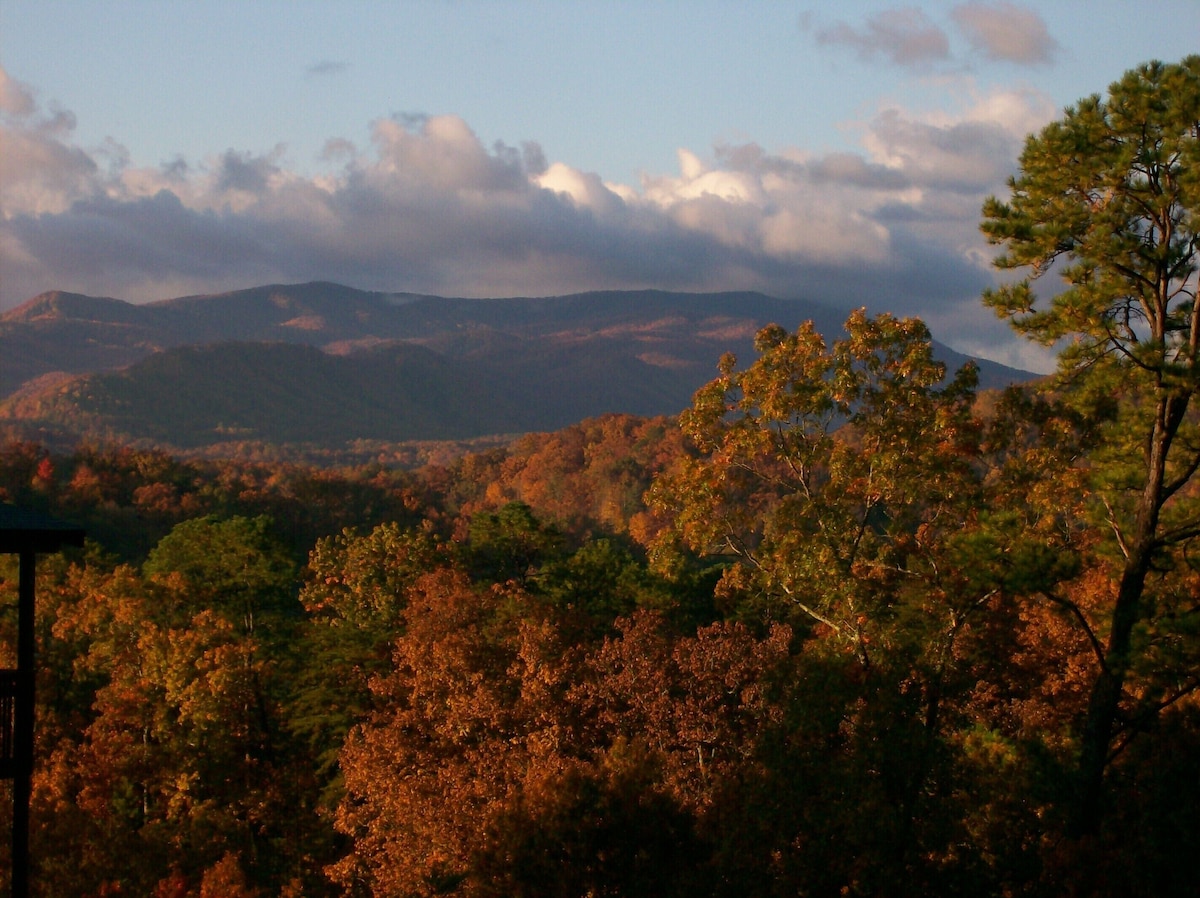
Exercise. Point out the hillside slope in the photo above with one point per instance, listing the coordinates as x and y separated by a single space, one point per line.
325 365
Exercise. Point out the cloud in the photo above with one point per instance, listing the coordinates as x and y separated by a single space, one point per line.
999 31
244 172
427 207
584 190
964 157
901 36
327 67
442 153
1006 31
40 169
16 98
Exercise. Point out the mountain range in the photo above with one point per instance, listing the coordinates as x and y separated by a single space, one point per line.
324 365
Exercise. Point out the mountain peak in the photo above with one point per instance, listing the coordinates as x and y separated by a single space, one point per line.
60 305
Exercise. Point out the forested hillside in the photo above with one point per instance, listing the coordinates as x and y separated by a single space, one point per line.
847 625
329 375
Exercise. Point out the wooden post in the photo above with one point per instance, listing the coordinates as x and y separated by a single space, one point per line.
24 533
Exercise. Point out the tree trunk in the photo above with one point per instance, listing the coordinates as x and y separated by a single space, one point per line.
1105 700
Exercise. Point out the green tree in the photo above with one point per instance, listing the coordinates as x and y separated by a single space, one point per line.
359 581
355 594
234 566
1108 197
599 583
511 544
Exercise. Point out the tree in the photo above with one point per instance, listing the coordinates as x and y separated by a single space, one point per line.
499 760
831 530
159 750
600 828
510 544
892 518
355 596
1108 197
438 749
236 567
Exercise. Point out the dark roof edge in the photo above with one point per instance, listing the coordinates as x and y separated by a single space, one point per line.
26 530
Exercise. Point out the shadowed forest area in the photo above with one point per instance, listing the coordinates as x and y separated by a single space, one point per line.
846 626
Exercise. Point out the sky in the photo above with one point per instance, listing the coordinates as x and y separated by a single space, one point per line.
836 152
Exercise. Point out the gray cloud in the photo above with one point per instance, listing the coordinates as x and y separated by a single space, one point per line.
905 36
242 171
902 36
967 157
122 241
1006 31
327 67
533 158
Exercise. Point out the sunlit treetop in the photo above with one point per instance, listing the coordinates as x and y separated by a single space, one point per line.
1108 198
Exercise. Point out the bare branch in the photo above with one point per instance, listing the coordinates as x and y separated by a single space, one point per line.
1077 612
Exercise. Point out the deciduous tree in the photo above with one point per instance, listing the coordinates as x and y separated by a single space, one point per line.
831 531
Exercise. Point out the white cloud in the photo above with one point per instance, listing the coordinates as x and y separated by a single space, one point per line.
966 156
971 151
442 152
697 181
585 189
1017 111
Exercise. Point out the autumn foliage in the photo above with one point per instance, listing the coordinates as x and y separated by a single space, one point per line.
844 646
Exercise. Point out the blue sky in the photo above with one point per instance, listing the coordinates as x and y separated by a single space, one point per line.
838 152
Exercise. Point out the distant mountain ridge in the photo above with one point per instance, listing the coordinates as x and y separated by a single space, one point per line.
320 314
76 333
325 364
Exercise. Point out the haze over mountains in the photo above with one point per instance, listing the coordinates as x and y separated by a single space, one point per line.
325 365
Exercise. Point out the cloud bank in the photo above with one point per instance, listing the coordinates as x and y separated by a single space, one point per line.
427 207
